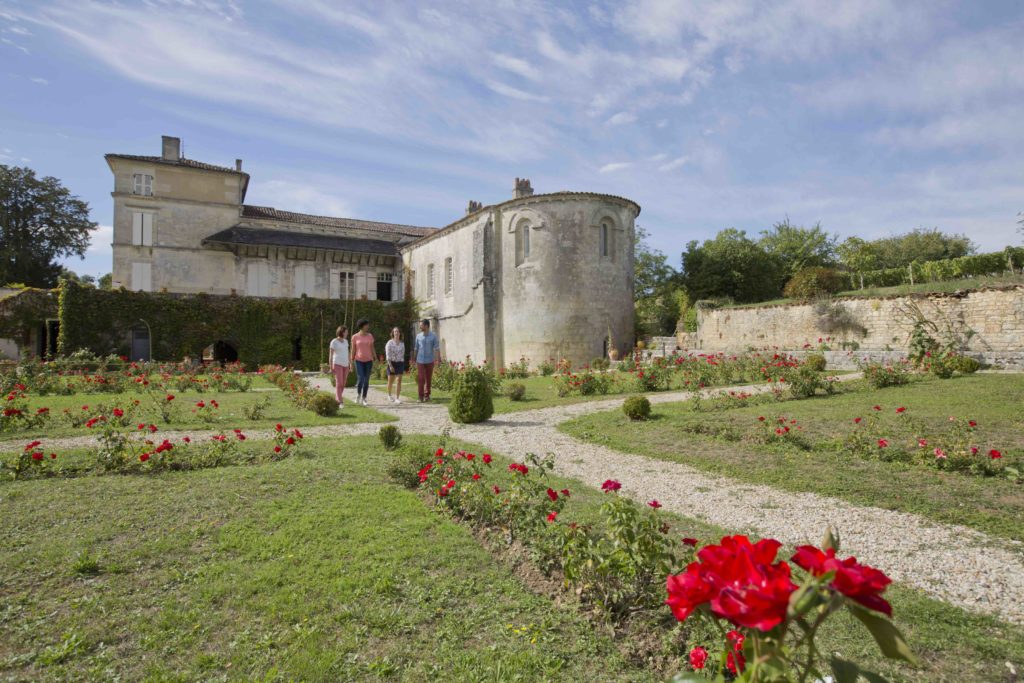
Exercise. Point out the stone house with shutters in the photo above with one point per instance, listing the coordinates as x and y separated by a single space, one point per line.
538 276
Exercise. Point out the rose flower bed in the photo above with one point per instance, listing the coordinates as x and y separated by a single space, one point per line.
763 615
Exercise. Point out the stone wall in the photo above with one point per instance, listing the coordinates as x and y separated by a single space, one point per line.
989 321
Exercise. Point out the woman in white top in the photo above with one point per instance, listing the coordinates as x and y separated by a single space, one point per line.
394 355
340 364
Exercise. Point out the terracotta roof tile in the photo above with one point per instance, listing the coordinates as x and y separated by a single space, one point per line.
191 163
272 214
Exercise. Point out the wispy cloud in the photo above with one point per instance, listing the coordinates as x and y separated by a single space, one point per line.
40 81
515 93
678 162
623 117
615 166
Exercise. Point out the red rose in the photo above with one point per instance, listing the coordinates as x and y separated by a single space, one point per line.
692 542
290 441
994 454
552 515
654 504
144 457
610 485
442 492
857 420
200 404
972 423
735 662
552 494
487 459
438 453
53 456
37 455
859 582
277 449
278 427
883 443
496 490
476 476
565 492
876 408
698 656
741 580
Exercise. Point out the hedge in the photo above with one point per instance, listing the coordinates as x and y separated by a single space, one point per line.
23 312
993 263
261 330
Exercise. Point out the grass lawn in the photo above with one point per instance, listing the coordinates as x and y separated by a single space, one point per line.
229 416
307 569
319 568
994 505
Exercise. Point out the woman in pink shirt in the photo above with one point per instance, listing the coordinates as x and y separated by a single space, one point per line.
362 354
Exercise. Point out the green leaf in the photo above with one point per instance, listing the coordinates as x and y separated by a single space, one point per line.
848 672
688 677
890 640
831 539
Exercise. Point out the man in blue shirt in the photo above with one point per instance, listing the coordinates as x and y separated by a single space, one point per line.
425 353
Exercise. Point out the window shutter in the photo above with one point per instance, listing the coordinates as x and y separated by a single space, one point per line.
335 291
142 277
361 289
137 228
147 229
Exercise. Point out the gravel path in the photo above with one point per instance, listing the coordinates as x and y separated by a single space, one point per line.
959 565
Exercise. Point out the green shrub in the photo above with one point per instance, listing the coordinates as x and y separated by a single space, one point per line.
472 399
942 366
805 382
547 368
323 404
690 320
444 376
816 362
408 461
966 365
880 375
637 408
600 364
516 391
815 281
390 437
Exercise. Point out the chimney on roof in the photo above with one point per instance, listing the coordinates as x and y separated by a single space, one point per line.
473 206
522 188
238 165
170 148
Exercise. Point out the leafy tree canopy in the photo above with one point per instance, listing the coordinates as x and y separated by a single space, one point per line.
732 265
40 222
655 289
798 247
922 244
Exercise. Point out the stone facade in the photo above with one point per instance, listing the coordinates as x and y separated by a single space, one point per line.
536 277
989 321
539 276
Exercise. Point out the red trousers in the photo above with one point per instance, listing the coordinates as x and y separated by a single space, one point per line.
340 378
424 374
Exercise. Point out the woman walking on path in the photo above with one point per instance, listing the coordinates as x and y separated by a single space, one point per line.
362 353
340 364
394 356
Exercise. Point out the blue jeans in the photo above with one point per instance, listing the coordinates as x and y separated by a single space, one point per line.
363 369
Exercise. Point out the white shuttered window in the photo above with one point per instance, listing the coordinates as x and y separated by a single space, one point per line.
142 229
142 276
257 279
142 184
305 280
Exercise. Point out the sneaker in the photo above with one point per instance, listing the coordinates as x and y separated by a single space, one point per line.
397 400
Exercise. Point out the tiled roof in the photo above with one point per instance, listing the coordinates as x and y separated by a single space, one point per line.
241 234
270 213
191 163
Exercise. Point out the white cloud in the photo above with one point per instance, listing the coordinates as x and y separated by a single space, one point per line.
40 81
678 162
615 166
517 66
622 118
302 197
515 93
99 243
8 41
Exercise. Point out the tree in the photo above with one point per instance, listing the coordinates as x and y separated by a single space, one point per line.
798 247
654 288
731 265
40 222
859 256
105 281
922 244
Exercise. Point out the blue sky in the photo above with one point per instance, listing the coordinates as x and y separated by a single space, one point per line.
871 116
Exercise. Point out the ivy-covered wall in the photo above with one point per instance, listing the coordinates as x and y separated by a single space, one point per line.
261 330
23 314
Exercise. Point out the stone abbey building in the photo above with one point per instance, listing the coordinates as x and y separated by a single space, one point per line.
538 276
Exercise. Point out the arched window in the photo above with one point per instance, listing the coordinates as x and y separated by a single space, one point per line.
606 238
522 243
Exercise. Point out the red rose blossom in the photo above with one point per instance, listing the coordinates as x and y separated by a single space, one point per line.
698 657
741 580
552 515
654 504
552 494
692 542
994 454
610 485
859 582
487 458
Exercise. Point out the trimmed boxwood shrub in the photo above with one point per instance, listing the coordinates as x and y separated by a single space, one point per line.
471 398
323 405
637 408
811 282
390 437
516 391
